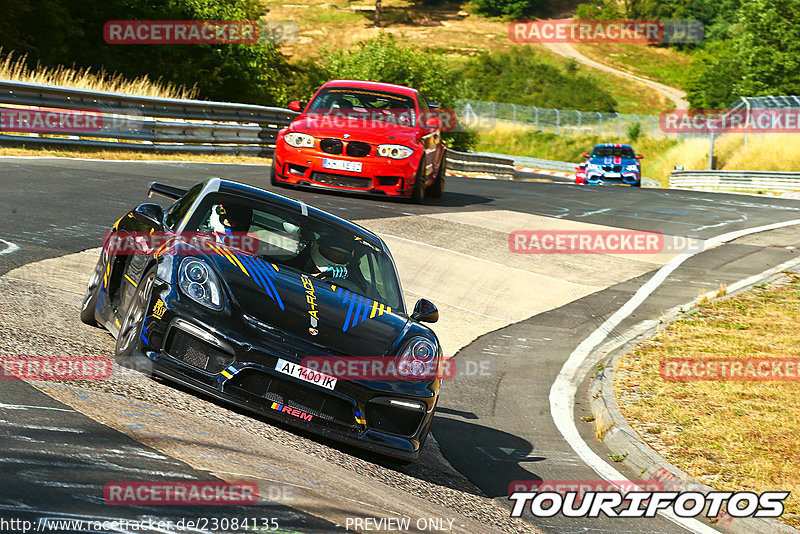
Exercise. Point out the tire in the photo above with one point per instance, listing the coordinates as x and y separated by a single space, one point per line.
92 294
131 329
437 187
637 184
272 179
419 187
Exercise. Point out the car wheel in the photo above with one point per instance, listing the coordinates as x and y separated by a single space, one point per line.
272 179
637 184
131 328
419 187
92 294
437 188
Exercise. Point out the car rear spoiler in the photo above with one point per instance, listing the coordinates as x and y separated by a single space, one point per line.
165 191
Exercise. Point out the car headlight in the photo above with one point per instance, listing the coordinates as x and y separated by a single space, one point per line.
394 151
299 140
198 282
593 167
419 359
631 167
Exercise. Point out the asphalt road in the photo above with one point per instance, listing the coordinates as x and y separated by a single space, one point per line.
494 431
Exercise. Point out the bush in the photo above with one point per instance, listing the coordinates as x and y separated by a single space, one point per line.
520 77
634 131
506 8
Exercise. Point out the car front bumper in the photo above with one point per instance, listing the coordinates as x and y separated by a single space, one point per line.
234 361
624 177
304 167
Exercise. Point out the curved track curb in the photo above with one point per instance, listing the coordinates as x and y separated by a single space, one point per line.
621 438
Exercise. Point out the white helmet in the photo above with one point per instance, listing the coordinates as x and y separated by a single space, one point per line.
327 254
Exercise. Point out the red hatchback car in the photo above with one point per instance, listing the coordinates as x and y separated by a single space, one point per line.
363 137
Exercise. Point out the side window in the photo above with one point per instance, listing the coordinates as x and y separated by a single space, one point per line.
179 209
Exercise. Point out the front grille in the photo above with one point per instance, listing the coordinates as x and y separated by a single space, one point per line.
357 149
393 420
197 353
257 386
612 168
341 180
389 180
331 146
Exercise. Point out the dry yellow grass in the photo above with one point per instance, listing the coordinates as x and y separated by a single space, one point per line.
129 155
731 435
769 152
14 67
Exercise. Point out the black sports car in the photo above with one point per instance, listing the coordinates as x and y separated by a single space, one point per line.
233 290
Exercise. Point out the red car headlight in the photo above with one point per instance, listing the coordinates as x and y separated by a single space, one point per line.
299 140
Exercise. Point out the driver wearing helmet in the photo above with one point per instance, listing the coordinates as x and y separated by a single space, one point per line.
233 226
329 257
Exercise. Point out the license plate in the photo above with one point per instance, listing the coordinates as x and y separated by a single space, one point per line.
341 165
304 373
613 174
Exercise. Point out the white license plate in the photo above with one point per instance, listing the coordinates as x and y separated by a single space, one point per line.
341 165
304 373
613 174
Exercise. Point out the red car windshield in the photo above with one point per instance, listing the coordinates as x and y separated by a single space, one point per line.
365 103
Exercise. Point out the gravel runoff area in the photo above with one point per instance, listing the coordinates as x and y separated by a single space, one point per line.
39 316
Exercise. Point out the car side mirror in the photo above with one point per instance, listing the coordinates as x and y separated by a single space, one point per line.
296 105
425 311
149 214
585 154
433 122
639 156
433 105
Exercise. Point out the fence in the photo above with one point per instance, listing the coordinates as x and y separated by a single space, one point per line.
560 121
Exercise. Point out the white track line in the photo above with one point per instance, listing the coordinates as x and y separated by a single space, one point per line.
10 247
564 389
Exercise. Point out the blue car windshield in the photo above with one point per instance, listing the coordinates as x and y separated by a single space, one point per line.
613 152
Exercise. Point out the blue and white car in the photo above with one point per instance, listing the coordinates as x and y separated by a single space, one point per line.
613 163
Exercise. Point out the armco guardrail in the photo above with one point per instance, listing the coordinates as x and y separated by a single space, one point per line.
736 180
149 123
470 162
153 124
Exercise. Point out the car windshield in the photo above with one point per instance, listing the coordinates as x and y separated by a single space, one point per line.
300 242
613 152
365 103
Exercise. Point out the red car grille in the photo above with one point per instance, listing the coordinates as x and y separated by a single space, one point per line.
341 180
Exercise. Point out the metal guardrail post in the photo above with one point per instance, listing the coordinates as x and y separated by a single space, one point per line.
619 125
513 113
537 117
558 121
599 123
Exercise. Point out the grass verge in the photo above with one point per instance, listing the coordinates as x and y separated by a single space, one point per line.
732 435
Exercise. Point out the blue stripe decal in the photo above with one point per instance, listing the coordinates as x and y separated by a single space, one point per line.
366 310
349 313
357 314
257 274
147 341
268 276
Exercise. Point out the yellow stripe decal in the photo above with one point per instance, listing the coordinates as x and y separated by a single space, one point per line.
226 374
276 268
380 309
129 279
388 309
374 309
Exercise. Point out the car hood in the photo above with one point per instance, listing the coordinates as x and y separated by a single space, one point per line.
611 160
369 131
307 309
